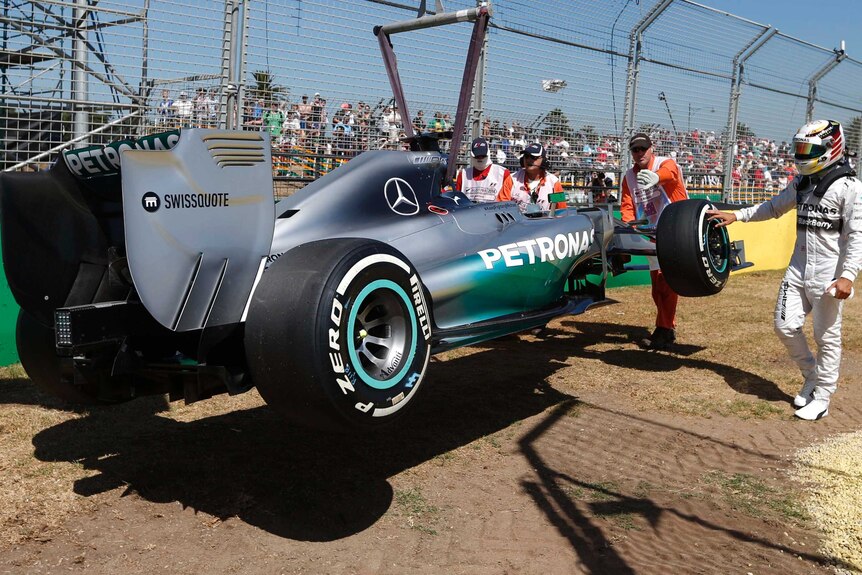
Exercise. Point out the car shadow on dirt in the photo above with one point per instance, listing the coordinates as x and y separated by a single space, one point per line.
22 391
294 482
677 357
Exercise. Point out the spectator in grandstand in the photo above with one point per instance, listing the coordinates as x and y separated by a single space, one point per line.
382 127
324 117
419 122
201 108
183 108
316 123
609 189
292 128
501 156
363 113
342 134
826 258
165 111
648 186
346 114
304 111
257 112
211 120
482 180
393 116
273 120
598 189
534 182
435 124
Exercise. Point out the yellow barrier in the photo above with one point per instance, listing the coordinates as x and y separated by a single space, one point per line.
767 244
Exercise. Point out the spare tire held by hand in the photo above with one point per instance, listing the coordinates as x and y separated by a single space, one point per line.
694 254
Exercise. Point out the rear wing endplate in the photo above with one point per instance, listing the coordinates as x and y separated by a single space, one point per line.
199 221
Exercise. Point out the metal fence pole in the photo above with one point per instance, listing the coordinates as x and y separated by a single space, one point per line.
80 80
144 87
479 85
630 107
812 83
753 46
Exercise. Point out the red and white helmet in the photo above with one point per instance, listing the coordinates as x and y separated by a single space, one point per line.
817 145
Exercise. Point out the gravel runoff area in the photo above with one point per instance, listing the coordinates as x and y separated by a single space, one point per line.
833 471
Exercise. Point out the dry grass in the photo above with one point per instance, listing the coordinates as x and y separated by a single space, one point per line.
728 364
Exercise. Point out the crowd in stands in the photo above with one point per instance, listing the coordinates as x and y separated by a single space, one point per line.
340 130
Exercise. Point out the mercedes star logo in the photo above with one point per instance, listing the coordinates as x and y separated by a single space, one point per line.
401 197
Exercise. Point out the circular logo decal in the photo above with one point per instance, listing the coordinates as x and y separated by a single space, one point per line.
151 202
401 198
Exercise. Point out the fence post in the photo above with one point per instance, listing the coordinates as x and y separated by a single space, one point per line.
739 59
635 44
479 85
230 101
80 81
812 83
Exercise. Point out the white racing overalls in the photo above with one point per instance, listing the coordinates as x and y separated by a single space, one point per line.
828 246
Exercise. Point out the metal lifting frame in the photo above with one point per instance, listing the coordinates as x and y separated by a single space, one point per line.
812 83
479 16
753 46
233 64
636 42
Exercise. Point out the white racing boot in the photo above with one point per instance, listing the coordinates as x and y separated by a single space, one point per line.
806 394
814 410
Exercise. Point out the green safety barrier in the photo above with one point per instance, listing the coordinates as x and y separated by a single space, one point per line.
8 319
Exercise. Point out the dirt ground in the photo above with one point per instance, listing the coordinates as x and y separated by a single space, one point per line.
574 453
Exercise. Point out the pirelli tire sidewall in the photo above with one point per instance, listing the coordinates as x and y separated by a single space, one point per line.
374 283
694 255
320 311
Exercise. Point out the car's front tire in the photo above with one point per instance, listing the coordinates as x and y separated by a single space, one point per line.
693 253
338 332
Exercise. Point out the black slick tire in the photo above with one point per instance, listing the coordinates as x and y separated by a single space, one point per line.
338 334
694 254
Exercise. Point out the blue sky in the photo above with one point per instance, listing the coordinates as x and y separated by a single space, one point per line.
327 46
823 22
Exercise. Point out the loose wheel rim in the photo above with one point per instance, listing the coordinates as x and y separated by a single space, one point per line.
382 333
717 246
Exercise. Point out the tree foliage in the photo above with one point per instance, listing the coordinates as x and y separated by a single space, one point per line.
743 131
556 123
265 87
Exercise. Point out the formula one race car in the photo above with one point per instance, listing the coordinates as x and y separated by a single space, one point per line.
164 265
181 275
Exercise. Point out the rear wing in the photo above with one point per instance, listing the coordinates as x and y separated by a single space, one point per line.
199 222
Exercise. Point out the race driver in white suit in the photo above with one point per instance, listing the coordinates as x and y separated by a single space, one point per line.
826 258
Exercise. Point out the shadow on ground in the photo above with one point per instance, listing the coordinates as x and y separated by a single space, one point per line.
679 356
548 489
293 482
313 486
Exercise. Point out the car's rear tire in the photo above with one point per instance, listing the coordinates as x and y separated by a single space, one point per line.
694 254
338 333
38 356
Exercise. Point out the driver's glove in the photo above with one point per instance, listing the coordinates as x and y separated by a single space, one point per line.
647 179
